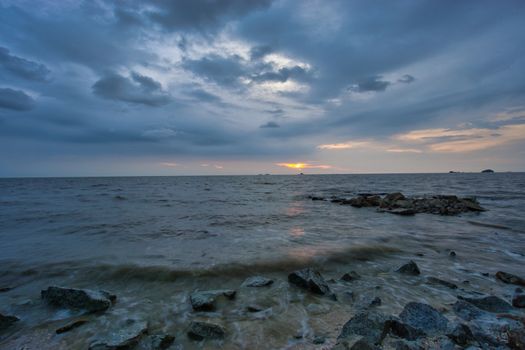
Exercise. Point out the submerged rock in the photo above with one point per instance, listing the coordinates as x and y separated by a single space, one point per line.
423 317
402 330
368 325
160 341
7 321
461 334
518 299
205 300
310 280
204 330
510 278
434 280
489 303
350 276
126 336
409 268
257 281
71 325
89 300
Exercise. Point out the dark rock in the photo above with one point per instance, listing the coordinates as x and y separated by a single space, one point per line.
354 343
518 299
452 254
461 335
126 336
310 280
510 278
89 300
319 339
257 281
368 325
365 201
316 198
376 301
350 276
391 198
434 280
204 330
71 325
516 339
7 321
205 300
409 268
490 303
467 311
402 330
5 289
161 341
423 317
400 211
254 308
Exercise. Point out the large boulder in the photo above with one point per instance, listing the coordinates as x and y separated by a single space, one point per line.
205 300
257 281
489 303
409 268
126 336
368 324
7 321
85 299
204 330
424 318
310 280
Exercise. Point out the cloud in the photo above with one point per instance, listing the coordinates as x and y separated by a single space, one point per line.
221 70
138 89
300 166
270 124
22 68
344 145
282 75
406 79
203 96
16 100
170 164
260 51
373 83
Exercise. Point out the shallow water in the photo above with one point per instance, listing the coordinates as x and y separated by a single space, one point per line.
153 240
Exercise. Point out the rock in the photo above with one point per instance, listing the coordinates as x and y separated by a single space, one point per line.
402 330
71 325
319 339
310 280
472 204
423 317
126 336
409 268
364 201
350 276
452 254
400 211
205 300
516 339
89 300
5 289
254 308
434 280
376 301
257 281
510 278
354 343
204 330
490 303
316 198
461 335
518 299
368 325
391 198
7 321
467 311
161 341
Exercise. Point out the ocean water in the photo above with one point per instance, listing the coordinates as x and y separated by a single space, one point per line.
154 240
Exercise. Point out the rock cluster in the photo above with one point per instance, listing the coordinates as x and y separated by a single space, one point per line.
397 203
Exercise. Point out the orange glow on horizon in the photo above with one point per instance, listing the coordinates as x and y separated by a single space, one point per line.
300 166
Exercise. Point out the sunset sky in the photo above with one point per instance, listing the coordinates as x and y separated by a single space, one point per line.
244 87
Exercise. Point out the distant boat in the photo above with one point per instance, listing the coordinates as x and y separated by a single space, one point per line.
300 174
487 171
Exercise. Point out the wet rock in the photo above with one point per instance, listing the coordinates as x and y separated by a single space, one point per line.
434 280
350 276
254 308
204 330
365 201
391 198
7 321
319 339
257 281
510 278
376 301
452 254
368 325
423 317
489 303
516 339
467 311
354 343
126 336
409 268
400 211
316 198
461 335
205 300
89 300
401 330
5 289
310 280
518 299
71 325
161 341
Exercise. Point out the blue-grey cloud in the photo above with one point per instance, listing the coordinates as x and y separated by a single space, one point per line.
258 52
270 125
221 70
406 79
374 83
137 89
15 100
282 75
22 67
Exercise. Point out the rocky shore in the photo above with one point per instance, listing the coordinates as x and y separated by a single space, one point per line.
473 321
397 203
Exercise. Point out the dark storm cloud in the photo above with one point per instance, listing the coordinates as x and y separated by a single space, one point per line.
221 70
22 67
375 83
282 75
270 124
16 100
137 89
406 79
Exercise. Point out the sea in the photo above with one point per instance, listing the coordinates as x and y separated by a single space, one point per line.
154 240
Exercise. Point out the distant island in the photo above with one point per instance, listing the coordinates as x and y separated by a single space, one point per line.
487 171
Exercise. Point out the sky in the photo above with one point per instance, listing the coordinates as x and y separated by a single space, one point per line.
199 87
